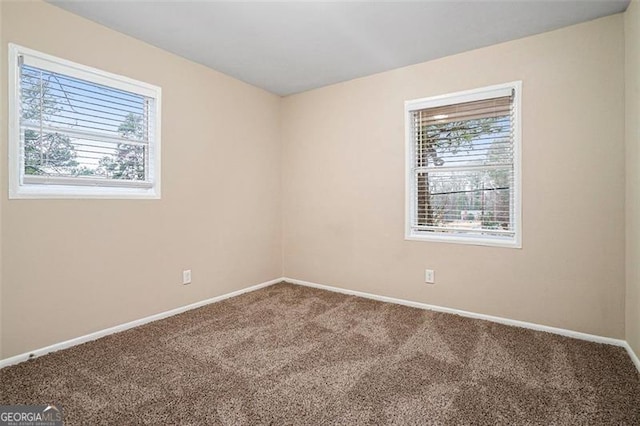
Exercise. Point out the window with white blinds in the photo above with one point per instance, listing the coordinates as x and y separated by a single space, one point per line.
81 132
463 167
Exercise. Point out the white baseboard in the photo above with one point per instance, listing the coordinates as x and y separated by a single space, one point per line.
506 321
122 327
632 355
93 336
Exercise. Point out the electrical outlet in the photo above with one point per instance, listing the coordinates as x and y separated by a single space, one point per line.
429 276
186 276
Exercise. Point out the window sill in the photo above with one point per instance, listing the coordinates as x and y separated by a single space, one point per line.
476 241
79 192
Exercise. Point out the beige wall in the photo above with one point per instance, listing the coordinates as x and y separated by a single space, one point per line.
72 267
335 156
632 75
343 192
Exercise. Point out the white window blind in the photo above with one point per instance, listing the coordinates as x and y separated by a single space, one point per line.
463 167
81 127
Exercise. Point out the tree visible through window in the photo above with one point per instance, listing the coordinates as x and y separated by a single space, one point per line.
129 160
463 177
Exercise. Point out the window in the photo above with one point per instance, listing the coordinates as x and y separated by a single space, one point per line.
463 167
78 132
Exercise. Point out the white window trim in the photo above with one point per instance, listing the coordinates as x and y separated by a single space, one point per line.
454 98
20 190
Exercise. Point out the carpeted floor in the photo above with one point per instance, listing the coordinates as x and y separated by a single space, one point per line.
294 355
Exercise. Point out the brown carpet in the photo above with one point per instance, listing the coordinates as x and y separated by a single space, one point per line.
294 355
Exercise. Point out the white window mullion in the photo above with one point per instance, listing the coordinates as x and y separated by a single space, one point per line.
79 134
463 168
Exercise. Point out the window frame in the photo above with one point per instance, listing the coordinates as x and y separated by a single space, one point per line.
410 200
66 188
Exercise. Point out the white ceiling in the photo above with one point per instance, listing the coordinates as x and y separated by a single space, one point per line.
290 47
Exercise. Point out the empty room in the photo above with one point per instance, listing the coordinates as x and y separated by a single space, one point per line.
305 212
